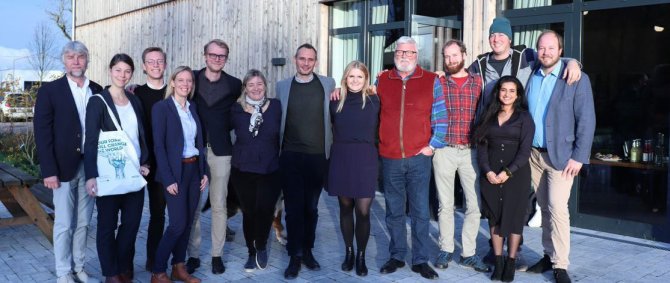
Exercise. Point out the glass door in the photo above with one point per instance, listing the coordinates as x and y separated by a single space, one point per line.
431 34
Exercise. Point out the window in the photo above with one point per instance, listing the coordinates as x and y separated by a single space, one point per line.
522 4
625 55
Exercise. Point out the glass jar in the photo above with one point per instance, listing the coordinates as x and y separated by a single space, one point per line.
636 151
648 152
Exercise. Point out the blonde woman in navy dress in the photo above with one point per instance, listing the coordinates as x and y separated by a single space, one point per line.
352 175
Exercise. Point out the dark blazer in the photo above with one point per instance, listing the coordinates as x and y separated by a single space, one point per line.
570 122
169 141
57 134
216 118
97 118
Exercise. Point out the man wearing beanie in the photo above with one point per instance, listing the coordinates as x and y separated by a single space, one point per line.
505 60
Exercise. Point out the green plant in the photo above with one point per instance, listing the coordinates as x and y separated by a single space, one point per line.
19 150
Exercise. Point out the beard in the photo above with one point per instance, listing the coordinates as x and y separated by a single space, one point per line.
77 74
551 63
406 69
455 68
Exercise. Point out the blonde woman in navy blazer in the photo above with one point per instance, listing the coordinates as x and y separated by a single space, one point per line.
180 155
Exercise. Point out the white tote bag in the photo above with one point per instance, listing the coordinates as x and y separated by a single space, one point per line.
118 162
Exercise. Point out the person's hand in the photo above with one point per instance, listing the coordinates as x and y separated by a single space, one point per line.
440 74
92 187
172 189
335 95
492 178
572 72
131 88
203 182
144 170
52 182
427 151
572 169
373 89
502 177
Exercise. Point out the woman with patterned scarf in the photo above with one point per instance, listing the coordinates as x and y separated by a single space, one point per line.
254 174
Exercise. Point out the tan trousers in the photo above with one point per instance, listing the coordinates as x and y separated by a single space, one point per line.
553 193
219 168
446 162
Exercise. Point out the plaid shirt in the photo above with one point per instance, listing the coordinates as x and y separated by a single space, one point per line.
461 105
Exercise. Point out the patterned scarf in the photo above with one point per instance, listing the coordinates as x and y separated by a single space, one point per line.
256 117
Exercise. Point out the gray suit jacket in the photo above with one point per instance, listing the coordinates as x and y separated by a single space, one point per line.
570 122
283 90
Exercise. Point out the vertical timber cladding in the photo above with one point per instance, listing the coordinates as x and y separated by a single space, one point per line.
256 30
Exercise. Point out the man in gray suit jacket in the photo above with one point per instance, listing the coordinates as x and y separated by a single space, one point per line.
565 122
305 137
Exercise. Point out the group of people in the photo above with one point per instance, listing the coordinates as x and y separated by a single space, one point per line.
512 119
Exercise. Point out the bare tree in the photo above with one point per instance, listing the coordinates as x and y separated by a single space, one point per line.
61 15
42 48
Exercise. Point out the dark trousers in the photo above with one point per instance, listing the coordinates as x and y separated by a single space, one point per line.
116 248
181 210
302 179
157 216
257 194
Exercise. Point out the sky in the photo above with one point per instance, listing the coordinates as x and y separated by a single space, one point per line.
18 19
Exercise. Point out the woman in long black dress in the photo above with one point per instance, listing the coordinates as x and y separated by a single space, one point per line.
504 139
352 175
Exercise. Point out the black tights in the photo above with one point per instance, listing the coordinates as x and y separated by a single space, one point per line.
362 221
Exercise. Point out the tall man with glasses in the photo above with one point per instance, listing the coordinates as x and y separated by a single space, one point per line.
60 111
153 65
411 118
215 93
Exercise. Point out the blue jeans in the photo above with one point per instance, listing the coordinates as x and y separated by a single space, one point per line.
405 179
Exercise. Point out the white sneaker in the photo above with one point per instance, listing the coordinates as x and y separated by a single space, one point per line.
536 221
82 277
65 279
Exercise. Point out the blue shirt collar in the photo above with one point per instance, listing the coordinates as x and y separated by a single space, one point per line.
556 72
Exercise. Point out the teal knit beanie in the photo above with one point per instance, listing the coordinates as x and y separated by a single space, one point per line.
501 25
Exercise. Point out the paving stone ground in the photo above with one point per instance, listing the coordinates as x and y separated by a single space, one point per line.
27 256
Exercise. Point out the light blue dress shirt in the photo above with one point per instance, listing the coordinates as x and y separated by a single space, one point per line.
539 93
189 129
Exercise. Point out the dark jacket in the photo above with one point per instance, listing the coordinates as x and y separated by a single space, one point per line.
97 119
57 128
169 142
215 119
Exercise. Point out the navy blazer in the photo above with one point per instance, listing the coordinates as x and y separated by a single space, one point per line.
169 141
216 118
57 138
570 122
97 118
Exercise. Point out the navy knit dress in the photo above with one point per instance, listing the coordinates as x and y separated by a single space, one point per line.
353 168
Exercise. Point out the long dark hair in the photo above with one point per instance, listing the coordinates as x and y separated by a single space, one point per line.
520 104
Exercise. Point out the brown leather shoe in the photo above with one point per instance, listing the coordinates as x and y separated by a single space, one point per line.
113 279
160 278
127 277
179 273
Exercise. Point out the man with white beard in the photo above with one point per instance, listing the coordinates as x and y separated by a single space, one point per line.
412 111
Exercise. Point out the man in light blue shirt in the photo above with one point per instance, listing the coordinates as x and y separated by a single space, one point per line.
539 92
565 122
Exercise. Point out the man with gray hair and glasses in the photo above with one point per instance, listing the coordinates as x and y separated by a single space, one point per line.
412 113
60 105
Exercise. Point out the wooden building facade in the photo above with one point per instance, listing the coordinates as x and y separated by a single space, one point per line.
255 30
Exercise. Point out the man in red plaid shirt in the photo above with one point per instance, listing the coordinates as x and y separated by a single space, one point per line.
461 95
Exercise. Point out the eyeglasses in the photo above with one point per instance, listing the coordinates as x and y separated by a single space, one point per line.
154 62
408 53
221 57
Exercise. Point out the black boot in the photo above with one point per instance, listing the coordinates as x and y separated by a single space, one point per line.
348 263
361 268
510 268
498 268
